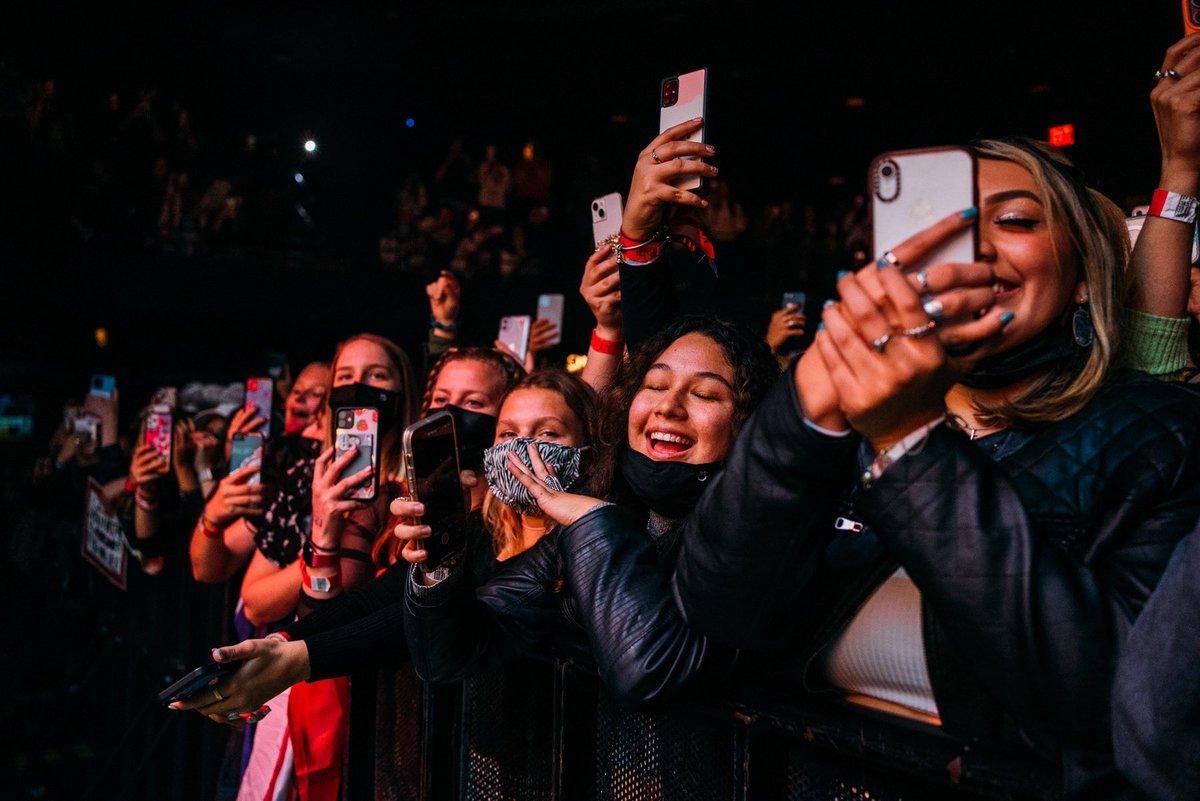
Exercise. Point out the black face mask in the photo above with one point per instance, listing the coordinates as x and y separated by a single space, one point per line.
475 432
360 396
1052 346
669 488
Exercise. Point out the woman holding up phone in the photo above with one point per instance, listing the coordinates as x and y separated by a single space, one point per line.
970 536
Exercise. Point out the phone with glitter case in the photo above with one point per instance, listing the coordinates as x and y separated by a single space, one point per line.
913 189
260 396
607 211
682 98
357 429
160 437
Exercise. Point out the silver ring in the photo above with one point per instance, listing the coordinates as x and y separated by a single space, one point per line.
654 156
919 331
887 258
933 307
553 483
1172 74
232 716
1158 75
923 281
881 343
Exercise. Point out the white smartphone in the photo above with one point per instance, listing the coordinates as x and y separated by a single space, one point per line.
913 189
607 211
682 98
514 334
550 307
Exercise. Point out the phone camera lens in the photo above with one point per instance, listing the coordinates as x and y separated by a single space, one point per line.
887 171
600 213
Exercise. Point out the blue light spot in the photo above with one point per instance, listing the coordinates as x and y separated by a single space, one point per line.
410 122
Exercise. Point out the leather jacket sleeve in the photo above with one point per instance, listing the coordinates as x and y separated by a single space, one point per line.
1034 596
757 536
644 650
455 630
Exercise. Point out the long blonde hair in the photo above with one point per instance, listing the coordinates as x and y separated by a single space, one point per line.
1094 230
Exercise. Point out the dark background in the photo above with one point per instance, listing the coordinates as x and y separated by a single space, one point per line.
580 79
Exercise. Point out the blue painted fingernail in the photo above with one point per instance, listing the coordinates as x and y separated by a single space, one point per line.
820 326
842 274
218 654
1006 318
969 214
828 303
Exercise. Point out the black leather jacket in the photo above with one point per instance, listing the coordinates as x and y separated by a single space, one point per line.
1033 551
592 591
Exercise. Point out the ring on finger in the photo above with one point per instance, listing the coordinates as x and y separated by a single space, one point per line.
654 156
923 281
881 342
920 331
933 308
217 694
553 483
1172 74
887 258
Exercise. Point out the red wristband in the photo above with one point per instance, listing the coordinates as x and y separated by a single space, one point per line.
210 531
645 252
1172 206
320 583
130 484
613 347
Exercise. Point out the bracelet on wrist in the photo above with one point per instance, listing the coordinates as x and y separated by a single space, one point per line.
644 252
1172 206
130 485
145 504
331 583
282 636
449 328
211 530
612 347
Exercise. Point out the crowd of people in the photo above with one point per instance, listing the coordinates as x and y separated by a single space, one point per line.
971 502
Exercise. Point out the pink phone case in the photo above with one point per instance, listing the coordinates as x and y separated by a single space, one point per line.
158 437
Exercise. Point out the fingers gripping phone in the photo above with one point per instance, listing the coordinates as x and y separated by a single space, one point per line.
431 457
260 396
682 98
160 436
357 429
797 299
199 679
246 450
550 307
514 334
913 189
607 211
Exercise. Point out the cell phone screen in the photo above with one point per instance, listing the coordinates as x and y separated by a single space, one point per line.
246 449
433 471
260 396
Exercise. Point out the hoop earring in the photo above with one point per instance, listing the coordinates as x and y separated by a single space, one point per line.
1081 325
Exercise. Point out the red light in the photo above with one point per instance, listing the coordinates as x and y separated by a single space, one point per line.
1062 135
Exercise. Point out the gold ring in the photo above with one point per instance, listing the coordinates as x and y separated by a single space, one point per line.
217 694
654 156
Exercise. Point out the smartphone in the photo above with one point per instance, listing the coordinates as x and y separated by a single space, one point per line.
550 307
790 298
607 211
165 399
246 449
103 386
199 679
1191 16
160 436
913 189
357 429
682 98
431 457
260 396
87 428
514 333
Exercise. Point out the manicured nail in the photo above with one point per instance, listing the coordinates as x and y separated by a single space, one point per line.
842 274
713 170
710 148
176 707
704 204
821 326
419 508
828 303
218 654
969 214
1006 318
697 119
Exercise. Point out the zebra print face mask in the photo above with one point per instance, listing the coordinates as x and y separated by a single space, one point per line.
563 461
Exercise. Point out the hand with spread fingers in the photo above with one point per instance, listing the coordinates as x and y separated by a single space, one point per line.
268 667
949 299
661 162
559 505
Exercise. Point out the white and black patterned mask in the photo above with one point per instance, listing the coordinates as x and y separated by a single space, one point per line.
562 460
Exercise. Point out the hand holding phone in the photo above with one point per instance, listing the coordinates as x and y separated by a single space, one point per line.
246 451
431 458
160 436
203 678
683 98
669 156
607 211
550 308
913 189
514 335
260 396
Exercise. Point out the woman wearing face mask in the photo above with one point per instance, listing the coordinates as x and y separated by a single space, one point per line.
671 414
363 627
977 562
